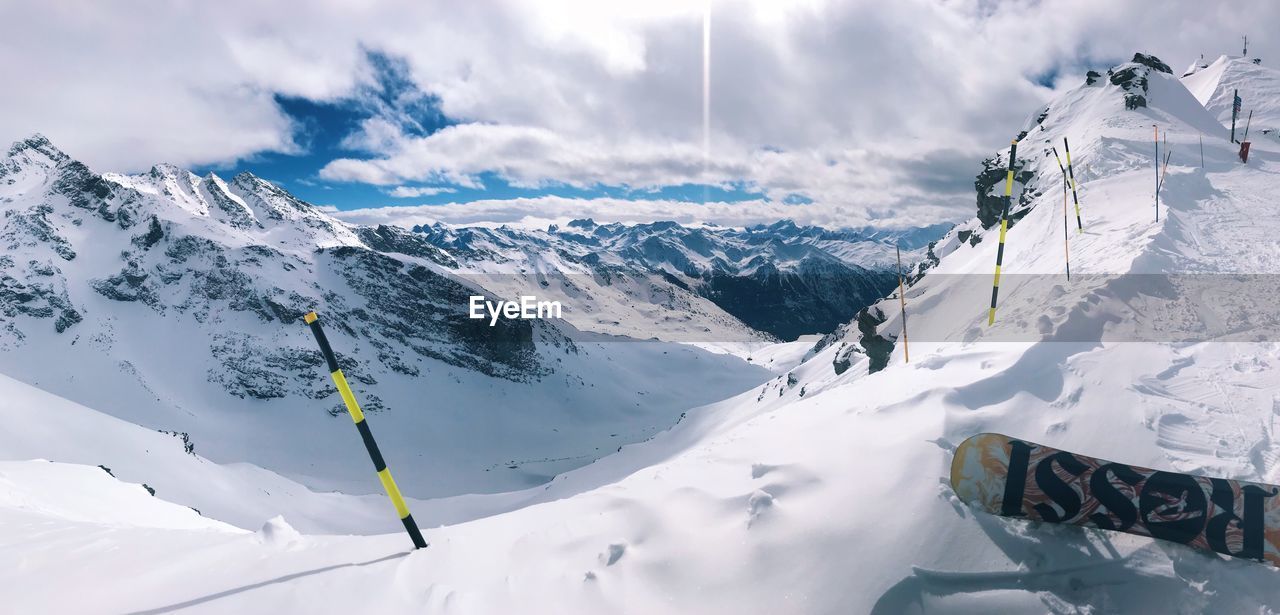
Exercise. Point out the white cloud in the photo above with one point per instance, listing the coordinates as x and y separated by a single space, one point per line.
849 103
408 192
525 156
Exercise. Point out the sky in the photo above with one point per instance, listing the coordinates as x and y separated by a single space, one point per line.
506 111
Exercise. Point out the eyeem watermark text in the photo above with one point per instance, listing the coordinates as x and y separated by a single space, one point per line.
527 308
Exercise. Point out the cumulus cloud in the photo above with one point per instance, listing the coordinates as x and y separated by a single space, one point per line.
870 109
525 156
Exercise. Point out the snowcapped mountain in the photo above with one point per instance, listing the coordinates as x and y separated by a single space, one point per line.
175 301
188 291
781 279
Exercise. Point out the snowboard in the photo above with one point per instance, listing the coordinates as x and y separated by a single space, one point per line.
1018 478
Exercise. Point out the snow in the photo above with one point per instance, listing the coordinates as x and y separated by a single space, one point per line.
823 492
1258 87
90 495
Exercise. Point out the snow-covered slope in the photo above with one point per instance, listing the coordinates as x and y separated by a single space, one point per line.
1259 89
43 426
825 489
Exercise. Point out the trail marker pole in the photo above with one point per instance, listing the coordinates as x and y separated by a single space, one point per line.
1246 126
1202 151
1066 241
1164 170
1004 228
1235 111
353 408
1157 165
902 301
1071 172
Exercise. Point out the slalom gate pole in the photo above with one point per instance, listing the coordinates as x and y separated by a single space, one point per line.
902 300
353 408
1004 228
1071 172
1157 162
1066 241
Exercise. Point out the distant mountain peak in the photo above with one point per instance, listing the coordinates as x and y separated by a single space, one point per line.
246 178
35 147
165 169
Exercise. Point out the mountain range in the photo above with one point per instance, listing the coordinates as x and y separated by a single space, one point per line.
183 296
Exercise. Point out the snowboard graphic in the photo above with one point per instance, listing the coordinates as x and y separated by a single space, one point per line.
1017 478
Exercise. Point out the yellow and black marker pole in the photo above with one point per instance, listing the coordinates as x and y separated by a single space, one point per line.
1072 174
1004 228
353 408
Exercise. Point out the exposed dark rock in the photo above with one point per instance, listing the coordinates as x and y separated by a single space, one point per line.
842 361
131 284
33 227
878 348
989 186
427 313
66 319
1151 61
394 239
41 296
1129 78
153 235
187 445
